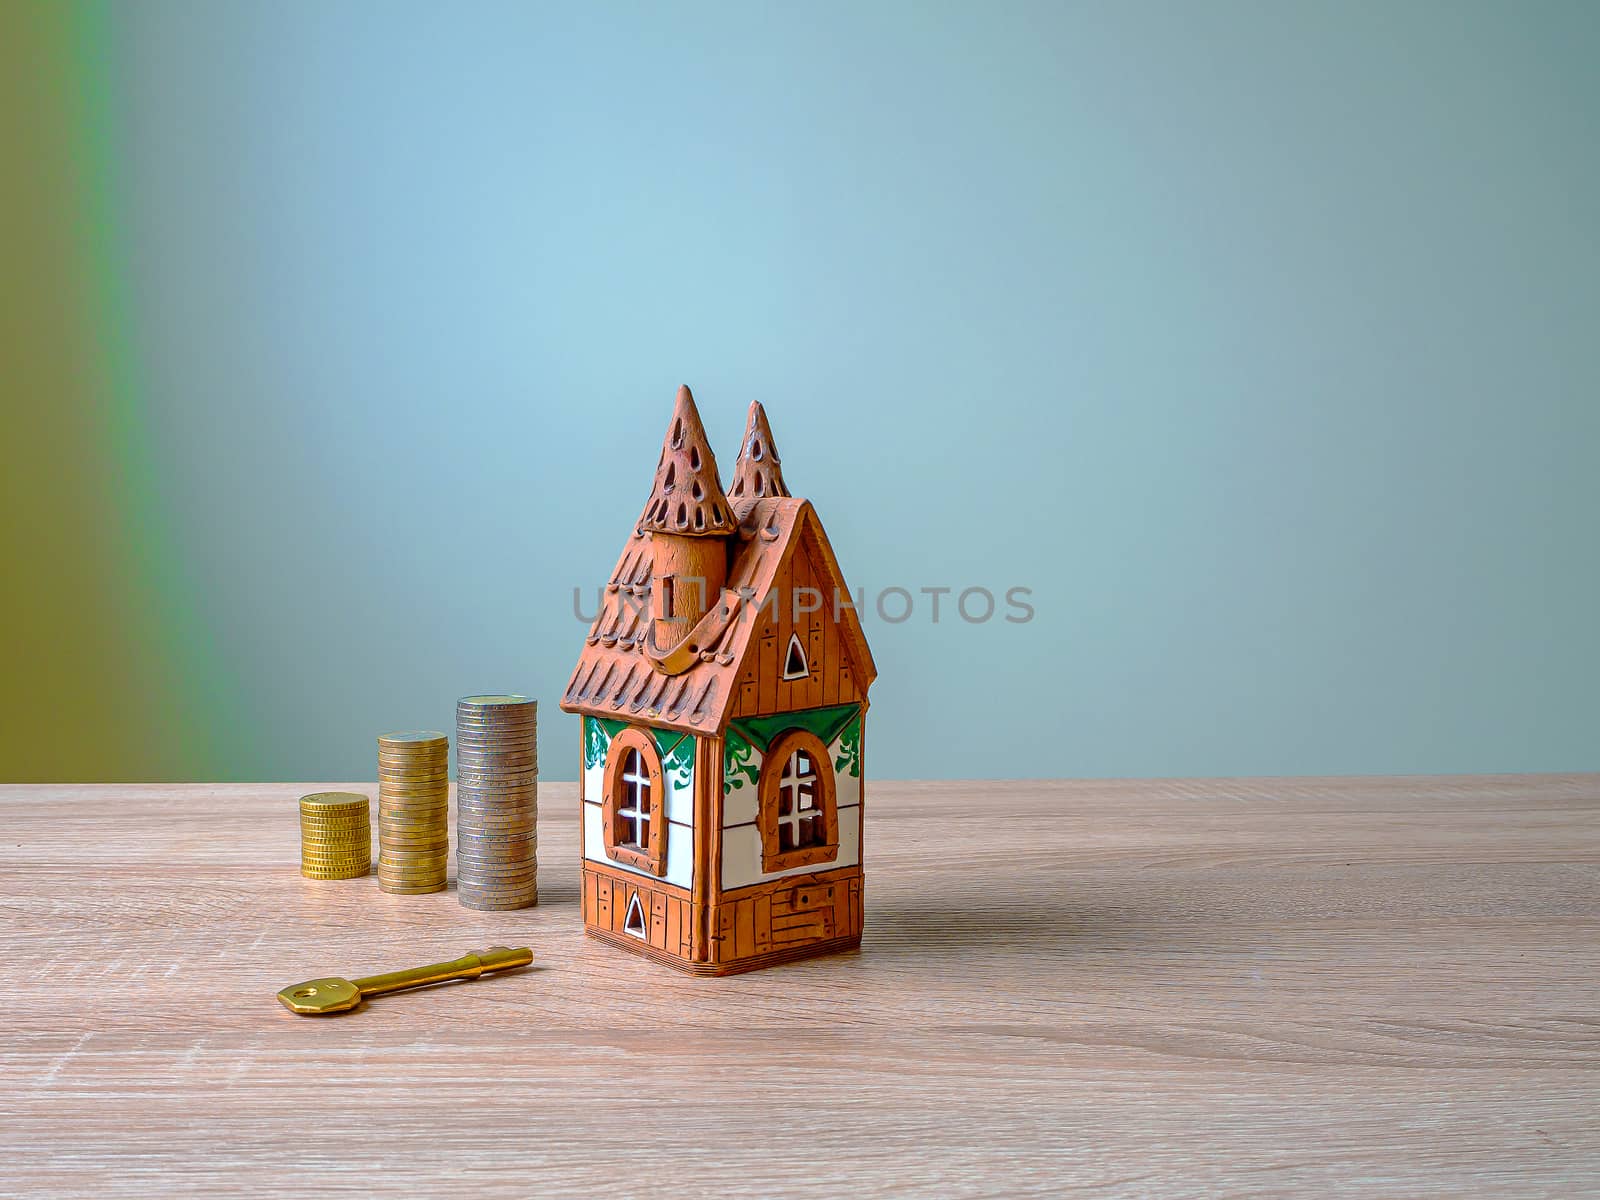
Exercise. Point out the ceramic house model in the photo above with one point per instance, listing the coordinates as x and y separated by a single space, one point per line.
722 689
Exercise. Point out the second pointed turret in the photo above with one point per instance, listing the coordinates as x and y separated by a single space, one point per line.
759 472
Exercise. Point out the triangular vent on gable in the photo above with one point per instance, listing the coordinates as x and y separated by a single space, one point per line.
794 660
634 922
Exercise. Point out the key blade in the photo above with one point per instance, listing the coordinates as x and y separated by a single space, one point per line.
317 996
503 958
468 966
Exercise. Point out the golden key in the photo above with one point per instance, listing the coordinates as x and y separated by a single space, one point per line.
317 996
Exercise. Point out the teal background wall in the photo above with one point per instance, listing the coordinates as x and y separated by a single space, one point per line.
1257 339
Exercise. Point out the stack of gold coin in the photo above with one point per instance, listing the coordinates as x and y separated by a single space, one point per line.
497 799
413 812
335 835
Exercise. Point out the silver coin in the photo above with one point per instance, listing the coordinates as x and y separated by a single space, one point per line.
497 820
491 888
511 860
503 874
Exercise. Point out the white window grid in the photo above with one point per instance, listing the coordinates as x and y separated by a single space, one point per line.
633 814
799 818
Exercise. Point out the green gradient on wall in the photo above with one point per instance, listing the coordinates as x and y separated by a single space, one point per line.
102 664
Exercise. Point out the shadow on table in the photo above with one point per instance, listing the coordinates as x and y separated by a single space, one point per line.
1027 927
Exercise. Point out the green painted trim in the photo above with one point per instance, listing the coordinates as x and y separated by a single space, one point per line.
597 735
736 766
679 761
666 739
849 759
598 732
825 723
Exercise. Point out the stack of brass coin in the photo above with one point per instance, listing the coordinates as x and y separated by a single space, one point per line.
497 797
335 835
413 812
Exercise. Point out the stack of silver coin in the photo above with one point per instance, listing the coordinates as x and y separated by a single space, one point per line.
497 799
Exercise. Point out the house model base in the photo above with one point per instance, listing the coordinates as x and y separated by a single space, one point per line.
723 694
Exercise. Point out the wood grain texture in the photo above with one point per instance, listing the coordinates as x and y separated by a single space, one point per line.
1378 987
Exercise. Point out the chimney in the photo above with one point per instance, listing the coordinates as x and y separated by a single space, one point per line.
689 521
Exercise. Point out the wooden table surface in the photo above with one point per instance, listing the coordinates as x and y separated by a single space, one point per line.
1321 987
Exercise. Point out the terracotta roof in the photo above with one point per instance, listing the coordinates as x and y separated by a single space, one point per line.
687 496
615 678
759 471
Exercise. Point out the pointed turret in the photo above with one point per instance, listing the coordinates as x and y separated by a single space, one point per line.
759 471
689 521
687 496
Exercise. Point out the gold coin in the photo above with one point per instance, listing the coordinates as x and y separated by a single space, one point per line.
333 800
